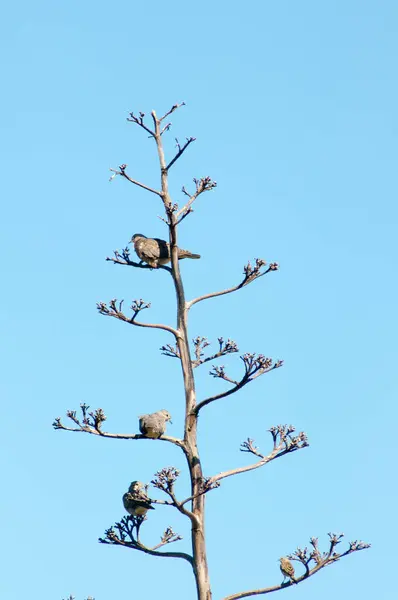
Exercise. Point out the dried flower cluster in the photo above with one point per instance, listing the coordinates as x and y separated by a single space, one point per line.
93 419
165 479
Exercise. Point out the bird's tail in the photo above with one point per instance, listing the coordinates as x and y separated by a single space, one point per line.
187 254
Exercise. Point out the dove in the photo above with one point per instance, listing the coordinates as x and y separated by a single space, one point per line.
156 252
287 569
154 425
136 501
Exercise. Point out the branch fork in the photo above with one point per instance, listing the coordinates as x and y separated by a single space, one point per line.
114 309
91 422
255 365
123 258
126 533
251 273
306 557
284 442
200 343
204 184
164 480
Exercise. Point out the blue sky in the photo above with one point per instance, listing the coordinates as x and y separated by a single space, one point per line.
293 105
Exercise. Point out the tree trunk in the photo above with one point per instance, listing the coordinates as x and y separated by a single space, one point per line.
200 566
198 529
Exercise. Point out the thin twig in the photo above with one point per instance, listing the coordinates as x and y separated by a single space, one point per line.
123 258
152 552
172 109
129 536
122 173
255 365
180 507
140 122
208 358
113 311
252 275
181 149
119 436
200 343
204 184
284 443
162 502
207 486
164 480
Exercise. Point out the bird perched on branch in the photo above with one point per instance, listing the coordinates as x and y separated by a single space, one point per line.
287 569
136 501
156 252
154 425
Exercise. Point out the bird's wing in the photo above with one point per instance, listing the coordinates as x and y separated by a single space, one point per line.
289 568
163 248
127 497
131 501
151 249
150 421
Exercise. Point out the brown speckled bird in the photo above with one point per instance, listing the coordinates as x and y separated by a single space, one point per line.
156 252
287 569
154 425
136 501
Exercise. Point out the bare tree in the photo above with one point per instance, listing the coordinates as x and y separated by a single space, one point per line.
284 439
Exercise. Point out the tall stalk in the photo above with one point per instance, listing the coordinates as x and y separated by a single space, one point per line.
127 532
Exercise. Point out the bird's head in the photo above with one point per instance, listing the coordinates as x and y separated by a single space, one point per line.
135 485
137 236
165 413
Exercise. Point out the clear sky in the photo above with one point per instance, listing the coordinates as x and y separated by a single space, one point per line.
294 107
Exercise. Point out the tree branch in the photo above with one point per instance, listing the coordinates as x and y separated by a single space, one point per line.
140 122
284 443
128 535
200 343
255 365
123 173
171 351
162 502
205 184
115 311
206 486
251 273
153 552
181 149
172 109
91 422
164 480
305 557
123 258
